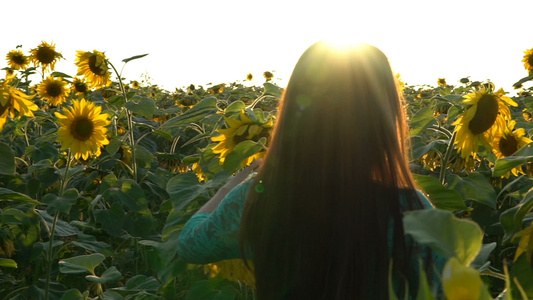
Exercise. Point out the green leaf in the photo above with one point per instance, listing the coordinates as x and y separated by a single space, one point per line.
202 109
212 289
112 220
141 283
525 79
419 148
442 197
114 145
89 242
117 100
511 219
140 105
483 255
63 204
62 228
234 109
131 195
8 263
424 290
143 157
111 274
185 187
6 194
523 273
60 74
447 235
81 264
134 57
474 187
421 120
242 151
74 294
272 89
7 160
506 164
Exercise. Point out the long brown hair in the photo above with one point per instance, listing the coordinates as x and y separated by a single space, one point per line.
329 188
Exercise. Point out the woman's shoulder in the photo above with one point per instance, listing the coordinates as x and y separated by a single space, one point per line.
405 196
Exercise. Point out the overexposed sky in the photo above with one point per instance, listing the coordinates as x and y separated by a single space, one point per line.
201 42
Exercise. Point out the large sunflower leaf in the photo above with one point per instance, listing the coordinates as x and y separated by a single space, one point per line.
7 160
198 112
506 164
473 187
6 194
62 228
143 106
81 263
511 219
444 233
75 294
442 197
111 274
419 148
421 120
272 89
63 203
185 187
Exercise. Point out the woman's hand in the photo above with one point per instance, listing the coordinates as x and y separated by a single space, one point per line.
224 190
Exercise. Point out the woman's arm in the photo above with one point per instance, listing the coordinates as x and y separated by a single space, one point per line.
223 191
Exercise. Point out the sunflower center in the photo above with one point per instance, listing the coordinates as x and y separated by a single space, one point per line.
45 55
96 69
54 89
18 59
80 87
530 60
508 145
486 113
82 129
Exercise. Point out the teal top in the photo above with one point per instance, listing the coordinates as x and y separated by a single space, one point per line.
212 237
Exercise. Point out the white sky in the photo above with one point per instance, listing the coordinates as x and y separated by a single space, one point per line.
201 42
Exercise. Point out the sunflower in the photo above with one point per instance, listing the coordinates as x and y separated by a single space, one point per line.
507 142
528 59
79 86
249 77
13 100
198 171
268 75
83 128
17 60
232 269
238 131
135 85
45 55
53 90
93 66
482 120
442 82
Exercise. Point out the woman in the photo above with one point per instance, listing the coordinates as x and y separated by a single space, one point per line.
322 219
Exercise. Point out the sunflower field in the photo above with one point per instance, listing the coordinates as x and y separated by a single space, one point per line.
98 174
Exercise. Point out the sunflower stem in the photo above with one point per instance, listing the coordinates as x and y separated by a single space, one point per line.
130 121
444 161
50 254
